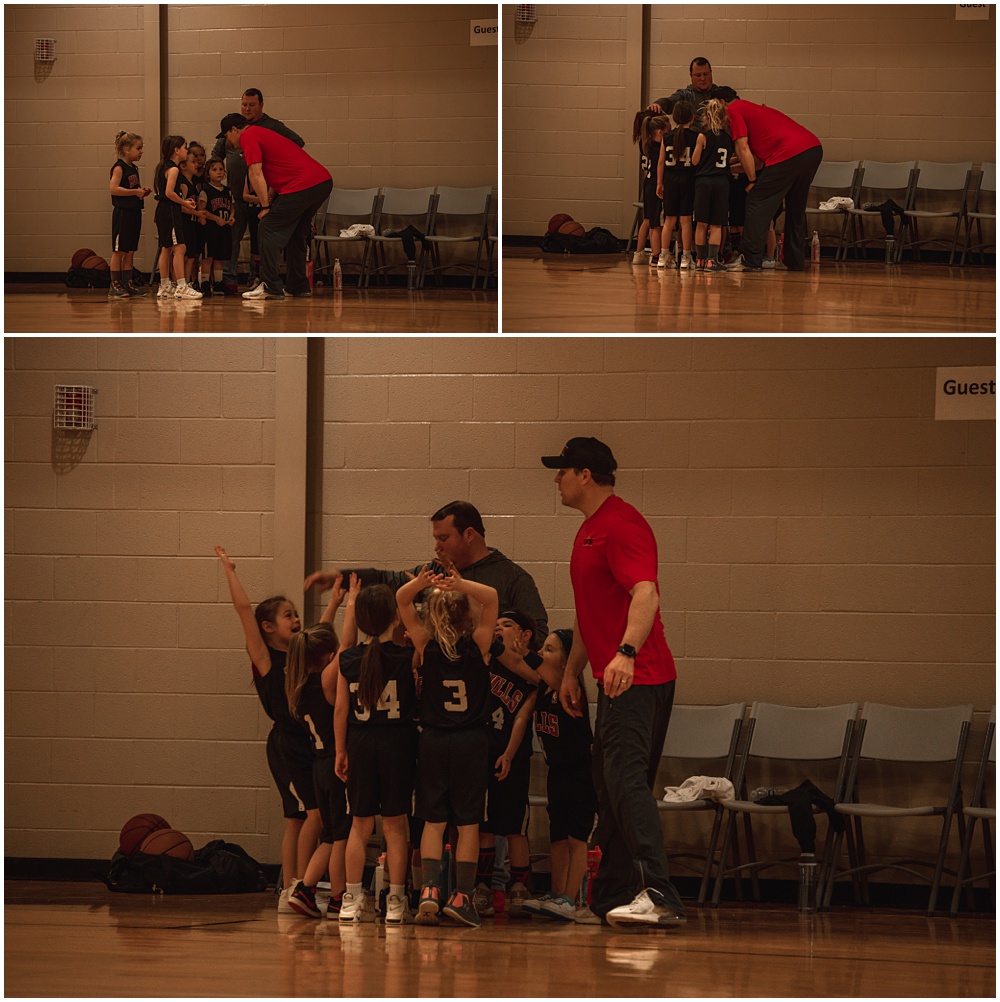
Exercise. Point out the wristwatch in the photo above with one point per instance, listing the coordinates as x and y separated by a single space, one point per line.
627 649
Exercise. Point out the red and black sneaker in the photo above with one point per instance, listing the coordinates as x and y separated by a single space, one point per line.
303 901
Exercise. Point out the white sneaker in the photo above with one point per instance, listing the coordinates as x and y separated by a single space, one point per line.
286 893
356 908
396 910
643 911
686 262
666 260
260 292
165 291
185 291
584 916
639 257
559 906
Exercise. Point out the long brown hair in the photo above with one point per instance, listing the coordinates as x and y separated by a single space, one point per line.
374 610
167 147
683 115
308 652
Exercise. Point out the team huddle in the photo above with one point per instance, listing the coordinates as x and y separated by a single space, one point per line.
427 721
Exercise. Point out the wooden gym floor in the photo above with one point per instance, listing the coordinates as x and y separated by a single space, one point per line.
552 293
79 939
54 309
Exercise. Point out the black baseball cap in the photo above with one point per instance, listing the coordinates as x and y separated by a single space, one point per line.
583 454
231 122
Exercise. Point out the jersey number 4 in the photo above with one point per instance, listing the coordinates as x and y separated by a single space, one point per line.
686 157
388 701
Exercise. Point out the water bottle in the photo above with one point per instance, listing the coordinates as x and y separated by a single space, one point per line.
815 247
411 275
338 276
808 865
780 255
593 865
890 250
446 864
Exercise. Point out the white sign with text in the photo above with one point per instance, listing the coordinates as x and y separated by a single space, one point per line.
484 32
973 11
966 393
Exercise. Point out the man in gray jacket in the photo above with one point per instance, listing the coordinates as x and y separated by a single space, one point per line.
700 90
459 539
252 107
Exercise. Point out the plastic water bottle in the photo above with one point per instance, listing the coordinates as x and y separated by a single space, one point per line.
411 274
815 247
446 866
593 865
338 276
808 865
890 250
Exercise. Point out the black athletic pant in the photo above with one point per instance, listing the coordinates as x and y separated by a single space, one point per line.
628 738
788 180
287 226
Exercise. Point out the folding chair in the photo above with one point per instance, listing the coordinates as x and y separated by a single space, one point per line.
979 811
954 178
349 206
708 734
636 223
904 735
469 204
780 739
834 177
411 206
876 183
987 182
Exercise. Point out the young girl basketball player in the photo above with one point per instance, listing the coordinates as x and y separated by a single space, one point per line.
268 631
572 802
644 168
375 723
711 156
194 221
512 705
310 654
454 708
216 200
169 186
126 216
651 140
675 178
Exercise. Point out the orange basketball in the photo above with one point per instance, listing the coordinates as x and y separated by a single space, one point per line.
574 228
81 255
168 842
557 220
97 262
135 830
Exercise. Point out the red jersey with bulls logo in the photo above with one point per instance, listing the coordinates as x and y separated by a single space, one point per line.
614 550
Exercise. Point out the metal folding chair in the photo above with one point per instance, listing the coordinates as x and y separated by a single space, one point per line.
986 182
939 178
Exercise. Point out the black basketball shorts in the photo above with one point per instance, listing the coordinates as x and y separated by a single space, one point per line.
331 797
126 225
678 194
711 201
381 769
572 803
451 775
507 799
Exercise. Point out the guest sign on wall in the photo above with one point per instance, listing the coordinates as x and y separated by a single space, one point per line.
966 393
484 32
973 11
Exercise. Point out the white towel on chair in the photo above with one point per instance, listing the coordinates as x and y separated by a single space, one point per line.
357 229
698 788
836 204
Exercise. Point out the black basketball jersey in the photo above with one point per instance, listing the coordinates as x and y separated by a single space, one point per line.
160 183
682 164
507 695
130 180
649 160
316 716
398 702
271 690
218 201
454 694
565 739
715 156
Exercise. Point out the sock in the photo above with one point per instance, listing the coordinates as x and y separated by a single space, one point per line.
485 865
520 874
116 278
354 889
397 890
702 251
432 872
465 877
713 251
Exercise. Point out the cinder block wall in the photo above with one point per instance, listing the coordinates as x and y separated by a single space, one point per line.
822 539
872 81
383 94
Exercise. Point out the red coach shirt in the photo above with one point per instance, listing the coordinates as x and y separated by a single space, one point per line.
287 167
614 550
771 135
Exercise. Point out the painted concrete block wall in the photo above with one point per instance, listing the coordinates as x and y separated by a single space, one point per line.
821 538
383 94
878 82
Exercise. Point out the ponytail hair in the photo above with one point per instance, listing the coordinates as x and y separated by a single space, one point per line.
169 144
308 652
124 140
375 612
683 115
637 123
448 618
649 126
714 115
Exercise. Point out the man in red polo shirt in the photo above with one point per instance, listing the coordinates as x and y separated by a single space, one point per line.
300 185
613 569
791 155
